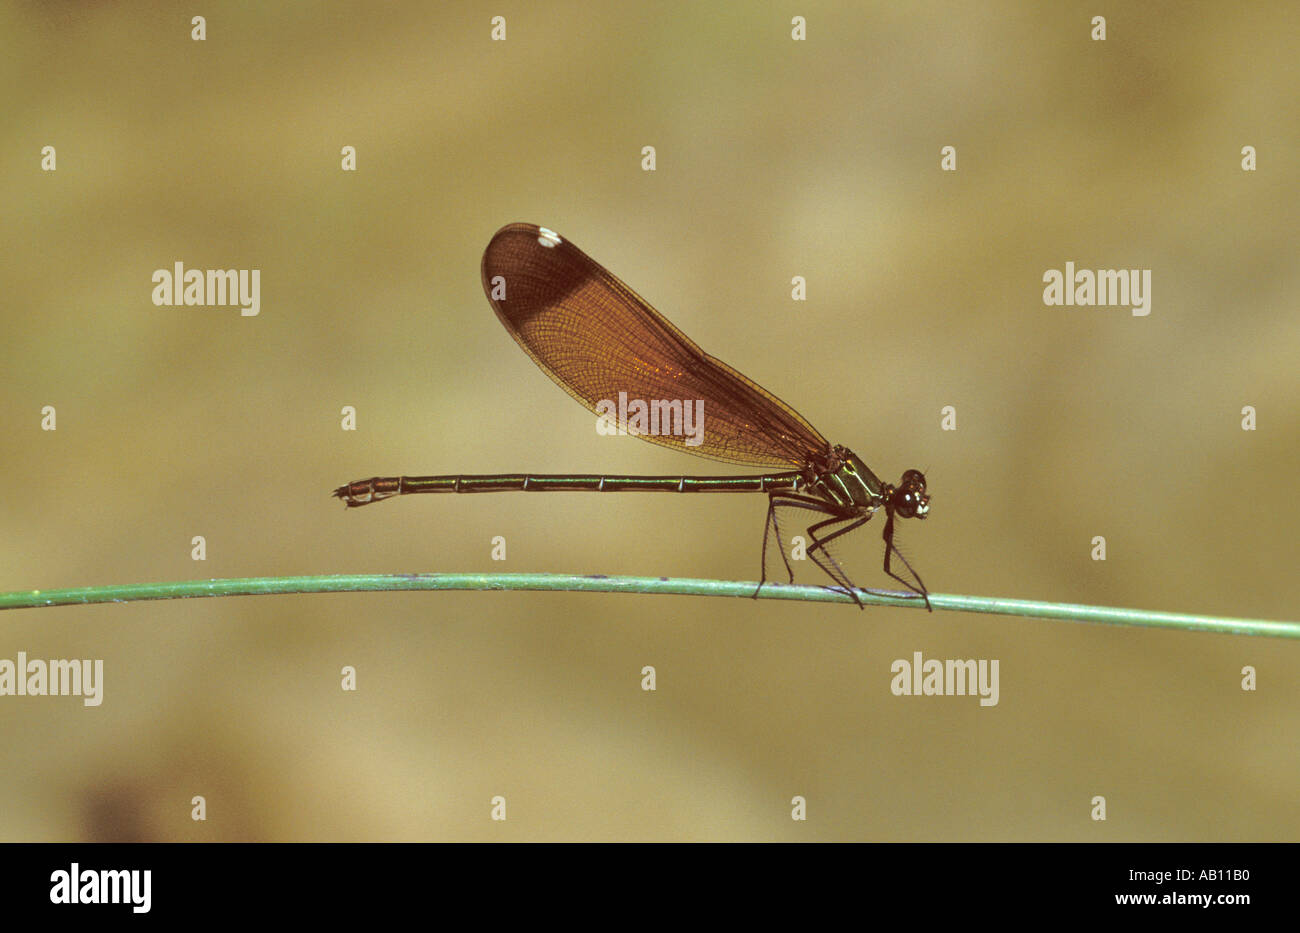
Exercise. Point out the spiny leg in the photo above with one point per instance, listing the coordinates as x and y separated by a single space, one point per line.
819 544
771 523
888 536
768 523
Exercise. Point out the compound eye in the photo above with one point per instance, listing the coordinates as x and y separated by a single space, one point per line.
905 504
914 477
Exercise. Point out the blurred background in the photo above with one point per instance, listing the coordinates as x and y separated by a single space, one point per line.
776 158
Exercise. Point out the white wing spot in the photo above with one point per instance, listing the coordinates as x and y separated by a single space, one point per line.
548 238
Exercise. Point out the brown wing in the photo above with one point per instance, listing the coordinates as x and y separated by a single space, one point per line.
596 338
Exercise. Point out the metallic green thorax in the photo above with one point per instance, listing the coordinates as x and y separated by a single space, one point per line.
852 485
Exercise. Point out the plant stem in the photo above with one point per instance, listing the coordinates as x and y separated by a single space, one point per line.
262 586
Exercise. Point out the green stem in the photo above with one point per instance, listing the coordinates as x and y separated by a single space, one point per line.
262 586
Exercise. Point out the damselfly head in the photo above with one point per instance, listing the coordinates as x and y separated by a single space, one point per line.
910 499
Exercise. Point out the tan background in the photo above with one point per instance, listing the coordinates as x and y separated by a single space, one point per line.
775 158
